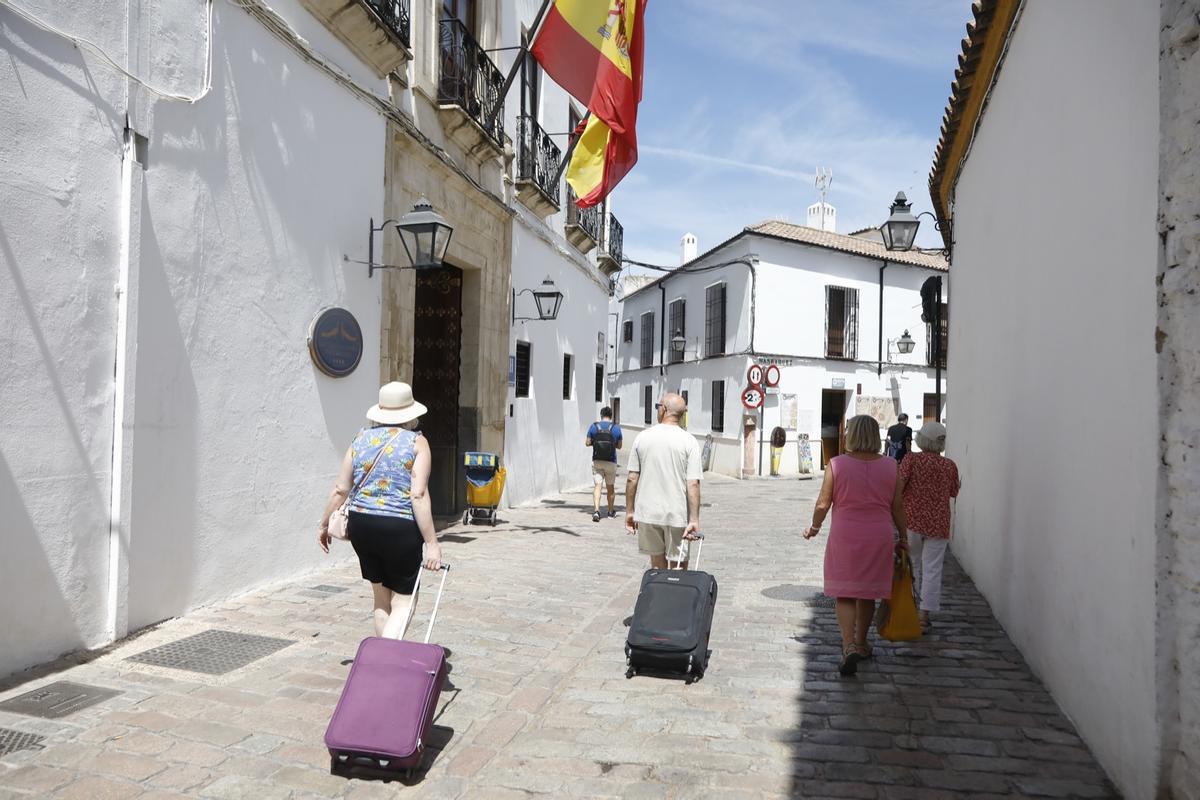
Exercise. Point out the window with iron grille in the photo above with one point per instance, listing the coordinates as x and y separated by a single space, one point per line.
675 320
841 322
717 406
522 369
627 331
714 320
599 383
945 339
647 340
648 402
567 375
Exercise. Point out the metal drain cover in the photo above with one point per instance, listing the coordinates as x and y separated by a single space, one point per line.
809 595
213 652
325 587
11 741
58 699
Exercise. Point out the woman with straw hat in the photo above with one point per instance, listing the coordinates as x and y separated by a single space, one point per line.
385 475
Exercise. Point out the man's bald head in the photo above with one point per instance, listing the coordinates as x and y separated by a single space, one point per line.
674 405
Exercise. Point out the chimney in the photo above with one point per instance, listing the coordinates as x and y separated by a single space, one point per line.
687 247
823 217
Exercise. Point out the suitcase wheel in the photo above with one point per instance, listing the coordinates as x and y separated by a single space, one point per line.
493 518
629 673
466 518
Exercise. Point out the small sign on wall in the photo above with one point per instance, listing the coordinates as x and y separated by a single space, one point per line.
839 383
335 342
512 370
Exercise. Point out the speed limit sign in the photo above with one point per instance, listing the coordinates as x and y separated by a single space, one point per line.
772 375
754 376
753 397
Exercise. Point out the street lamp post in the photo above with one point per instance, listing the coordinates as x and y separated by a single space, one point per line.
424 233
900 233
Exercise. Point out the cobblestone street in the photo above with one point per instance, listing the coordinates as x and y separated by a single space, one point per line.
538 703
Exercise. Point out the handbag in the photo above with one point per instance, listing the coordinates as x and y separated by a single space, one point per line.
903 624
339 520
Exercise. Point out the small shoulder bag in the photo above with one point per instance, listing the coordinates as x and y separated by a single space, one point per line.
339 520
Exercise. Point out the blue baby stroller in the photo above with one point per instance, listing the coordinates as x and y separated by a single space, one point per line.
485 484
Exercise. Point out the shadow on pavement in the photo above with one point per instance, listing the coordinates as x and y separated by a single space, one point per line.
958 713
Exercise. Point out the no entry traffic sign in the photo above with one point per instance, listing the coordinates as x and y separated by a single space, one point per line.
753 397
772 375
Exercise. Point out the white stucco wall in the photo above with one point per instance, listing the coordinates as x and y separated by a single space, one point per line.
1054 424
544 434
236 227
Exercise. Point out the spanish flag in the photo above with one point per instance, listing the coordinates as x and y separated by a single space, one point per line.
593 49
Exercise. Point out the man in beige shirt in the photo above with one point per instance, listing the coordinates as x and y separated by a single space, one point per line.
662 492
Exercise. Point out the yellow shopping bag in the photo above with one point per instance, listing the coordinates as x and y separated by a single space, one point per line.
902 624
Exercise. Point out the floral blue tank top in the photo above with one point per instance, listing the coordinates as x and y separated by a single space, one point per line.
388 490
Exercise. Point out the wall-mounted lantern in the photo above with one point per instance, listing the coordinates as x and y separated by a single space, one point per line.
424 233
905 344
900 230
547 297
678 343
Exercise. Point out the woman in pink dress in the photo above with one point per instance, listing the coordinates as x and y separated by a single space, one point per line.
862 488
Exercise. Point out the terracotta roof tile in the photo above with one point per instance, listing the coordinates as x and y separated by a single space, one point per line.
854 245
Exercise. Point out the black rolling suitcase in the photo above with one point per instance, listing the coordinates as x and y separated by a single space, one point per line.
671 622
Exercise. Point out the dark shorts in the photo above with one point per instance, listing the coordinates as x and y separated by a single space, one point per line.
389 549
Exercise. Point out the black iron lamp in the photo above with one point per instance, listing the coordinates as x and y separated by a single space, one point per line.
547 297
678 343
900 230
905 344
424 233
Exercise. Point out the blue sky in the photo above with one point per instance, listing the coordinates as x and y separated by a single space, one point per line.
742 101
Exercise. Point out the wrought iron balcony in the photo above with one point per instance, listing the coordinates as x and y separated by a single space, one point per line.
537 167
395 15
377 31
583 224
612 243
469 79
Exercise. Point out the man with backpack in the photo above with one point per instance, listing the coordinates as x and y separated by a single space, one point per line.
899 438
604 437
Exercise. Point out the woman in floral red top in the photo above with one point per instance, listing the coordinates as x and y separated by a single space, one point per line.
928 480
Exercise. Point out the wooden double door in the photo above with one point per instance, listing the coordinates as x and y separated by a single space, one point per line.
437 362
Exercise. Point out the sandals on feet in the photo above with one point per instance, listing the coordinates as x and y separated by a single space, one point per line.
850 658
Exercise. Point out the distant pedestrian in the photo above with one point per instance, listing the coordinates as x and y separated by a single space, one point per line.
863 490
604 437
662 492
899 438
928 481
386 476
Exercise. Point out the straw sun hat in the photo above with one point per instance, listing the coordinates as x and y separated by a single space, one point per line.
396 405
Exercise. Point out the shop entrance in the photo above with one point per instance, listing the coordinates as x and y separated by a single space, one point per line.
437 357
833 424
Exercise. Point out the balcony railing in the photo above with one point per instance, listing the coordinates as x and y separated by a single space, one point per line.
469 79
537 158
586 219
612 242
395 16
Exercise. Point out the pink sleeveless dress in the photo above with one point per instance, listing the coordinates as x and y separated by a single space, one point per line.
858 555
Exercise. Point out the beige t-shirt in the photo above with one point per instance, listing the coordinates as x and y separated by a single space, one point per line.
665 457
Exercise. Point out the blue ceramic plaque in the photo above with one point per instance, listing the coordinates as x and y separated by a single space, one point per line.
335 342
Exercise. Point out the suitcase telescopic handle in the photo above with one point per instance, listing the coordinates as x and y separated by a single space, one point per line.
699 550
445 570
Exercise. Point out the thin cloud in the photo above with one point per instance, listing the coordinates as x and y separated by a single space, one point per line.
719 161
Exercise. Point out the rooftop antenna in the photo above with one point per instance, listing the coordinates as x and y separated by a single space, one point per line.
824 178
820 215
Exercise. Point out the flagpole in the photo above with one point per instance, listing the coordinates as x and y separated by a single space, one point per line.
512 73
570 149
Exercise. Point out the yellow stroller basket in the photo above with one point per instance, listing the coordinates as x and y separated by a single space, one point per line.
485 485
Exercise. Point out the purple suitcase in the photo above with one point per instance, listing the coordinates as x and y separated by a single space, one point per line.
381 725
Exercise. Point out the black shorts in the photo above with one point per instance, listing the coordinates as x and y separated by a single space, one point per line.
389 549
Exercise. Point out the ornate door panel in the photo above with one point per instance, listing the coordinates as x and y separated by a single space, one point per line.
437 347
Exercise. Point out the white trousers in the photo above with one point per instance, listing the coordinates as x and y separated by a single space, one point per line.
927 554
